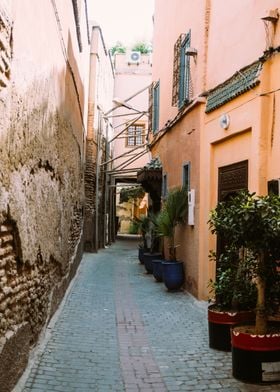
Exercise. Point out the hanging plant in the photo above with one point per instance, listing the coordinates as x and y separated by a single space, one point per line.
131 193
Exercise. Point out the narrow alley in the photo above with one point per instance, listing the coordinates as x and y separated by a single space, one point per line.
119 330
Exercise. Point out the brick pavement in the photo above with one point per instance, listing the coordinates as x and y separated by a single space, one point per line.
119 330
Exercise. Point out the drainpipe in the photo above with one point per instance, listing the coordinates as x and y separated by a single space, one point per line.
96 240
106 212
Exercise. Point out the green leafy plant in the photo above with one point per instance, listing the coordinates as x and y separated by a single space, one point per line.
117 48
147 226
142 226
252 223
128 193
142 47
174 212
233 288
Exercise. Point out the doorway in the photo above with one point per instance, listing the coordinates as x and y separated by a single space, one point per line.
231 179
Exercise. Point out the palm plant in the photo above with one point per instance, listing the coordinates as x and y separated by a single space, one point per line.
142 225
174 212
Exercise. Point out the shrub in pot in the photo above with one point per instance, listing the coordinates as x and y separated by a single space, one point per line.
233 290
234 295
258 231
153 253
254 227
142 224
174 212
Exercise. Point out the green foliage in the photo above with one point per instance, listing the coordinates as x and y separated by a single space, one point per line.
133 229
142 47
234 288
142 225
117 48
131 193
252 223
174 212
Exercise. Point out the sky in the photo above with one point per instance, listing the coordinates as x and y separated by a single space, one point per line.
127 21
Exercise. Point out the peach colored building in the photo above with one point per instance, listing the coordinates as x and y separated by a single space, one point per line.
215 118
133 72
242 121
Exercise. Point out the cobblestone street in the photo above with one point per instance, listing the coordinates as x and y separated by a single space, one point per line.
119 330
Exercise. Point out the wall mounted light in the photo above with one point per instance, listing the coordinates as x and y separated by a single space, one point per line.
191 51
224 121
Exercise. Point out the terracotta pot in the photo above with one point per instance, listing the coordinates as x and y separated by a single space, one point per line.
255 357
220 323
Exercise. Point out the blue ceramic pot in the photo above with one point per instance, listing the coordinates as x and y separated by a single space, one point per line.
141 252
157 269
173 274
148 258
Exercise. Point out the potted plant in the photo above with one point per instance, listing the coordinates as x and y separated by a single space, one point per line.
233 291
142 224
153 238
255 347
174 212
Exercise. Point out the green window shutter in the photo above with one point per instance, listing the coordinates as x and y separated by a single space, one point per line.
156 107
176 69
150 110
186 175
184 73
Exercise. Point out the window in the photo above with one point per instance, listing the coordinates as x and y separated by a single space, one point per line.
186 175
154 107
164 185
135 135
181 71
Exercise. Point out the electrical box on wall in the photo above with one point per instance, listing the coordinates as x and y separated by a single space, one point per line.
191 203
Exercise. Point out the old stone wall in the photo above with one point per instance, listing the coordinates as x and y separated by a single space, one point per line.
41 189
90 190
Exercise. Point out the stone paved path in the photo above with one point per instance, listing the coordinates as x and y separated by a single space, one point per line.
119 330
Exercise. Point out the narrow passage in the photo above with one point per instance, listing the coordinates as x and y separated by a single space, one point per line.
119 330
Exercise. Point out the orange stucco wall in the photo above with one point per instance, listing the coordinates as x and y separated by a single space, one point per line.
228 36
179 146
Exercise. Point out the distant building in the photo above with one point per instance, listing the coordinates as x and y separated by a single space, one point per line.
133 73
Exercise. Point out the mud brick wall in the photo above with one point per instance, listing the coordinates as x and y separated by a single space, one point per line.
90 187
41 194
5 49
